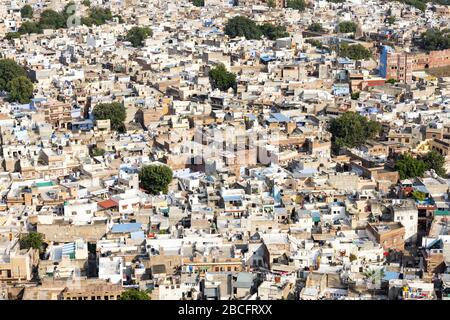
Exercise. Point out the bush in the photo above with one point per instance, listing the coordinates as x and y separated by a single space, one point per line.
98 152
222 79
351 130
114 111
155 178
355 95
137 35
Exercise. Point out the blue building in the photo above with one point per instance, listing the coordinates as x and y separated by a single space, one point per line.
385 51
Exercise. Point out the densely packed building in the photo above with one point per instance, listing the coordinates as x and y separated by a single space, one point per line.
266 200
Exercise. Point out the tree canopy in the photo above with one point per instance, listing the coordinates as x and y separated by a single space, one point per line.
20 89
355 51
351 130
97 16
221 78
316 27
31 240
410 167
155 178
434 39
296 4
114 111
50 19
134 294
240 26
198 3
346 27
137 35
273 32
9 70
26 11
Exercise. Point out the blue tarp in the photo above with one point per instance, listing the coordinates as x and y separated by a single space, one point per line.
126 227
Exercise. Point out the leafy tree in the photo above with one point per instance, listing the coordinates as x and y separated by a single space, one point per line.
434 39
316 27
434 160
346 27
351 130
199 3
296 4
221 78
9 70
355 52
137 35
352 257
86 3
271 3
419 195
134 294
315 43
31 240
409 167
97 16
98 152
242 27
29 27
273 32
26 11
155 178
114 111
20 89
50 19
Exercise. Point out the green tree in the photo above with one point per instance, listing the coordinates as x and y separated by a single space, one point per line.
351 130
50 19
199 3
355 51
409 167
391 81
98 152
97 16
296 4
9 70
20 89
346 27
434 39
271 3
29 27
12 35
242 27
26 11
137 35
221 78
86 3
31 240
434 160
419 195
134 294
273 32
316 27
155 178
114 111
